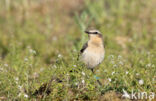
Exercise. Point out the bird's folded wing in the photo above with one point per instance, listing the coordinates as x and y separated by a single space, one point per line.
84 47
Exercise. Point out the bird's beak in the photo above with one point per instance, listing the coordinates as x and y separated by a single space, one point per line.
87 32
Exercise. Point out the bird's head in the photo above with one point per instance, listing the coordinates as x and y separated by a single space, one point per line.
93 33
95 37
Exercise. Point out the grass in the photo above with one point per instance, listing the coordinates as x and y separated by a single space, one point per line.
39 40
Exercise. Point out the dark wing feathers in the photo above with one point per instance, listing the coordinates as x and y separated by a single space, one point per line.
84 47
82 50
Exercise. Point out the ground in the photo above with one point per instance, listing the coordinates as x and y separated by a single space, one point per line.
40 41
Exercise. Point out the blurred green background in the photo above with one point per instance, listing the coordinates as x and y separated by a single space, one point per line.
40 38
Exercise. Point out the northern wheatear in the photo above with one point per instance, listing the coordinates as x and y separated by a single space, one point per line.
92 52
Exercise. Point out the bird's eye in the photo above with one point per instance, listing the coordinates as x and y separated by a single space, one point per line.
96 32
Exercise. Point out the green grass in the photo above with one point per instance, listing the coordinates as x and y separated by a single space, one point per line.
39 40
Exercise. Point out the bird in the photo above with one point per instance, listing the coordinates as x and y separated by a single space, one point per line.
93 52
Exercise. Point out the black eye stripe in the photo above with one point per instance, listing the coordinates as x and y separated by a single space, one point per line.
92 32
95 32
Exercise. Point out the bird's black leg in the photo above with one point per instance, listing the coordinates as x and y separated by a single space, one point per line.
99 82
92 70
96 78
